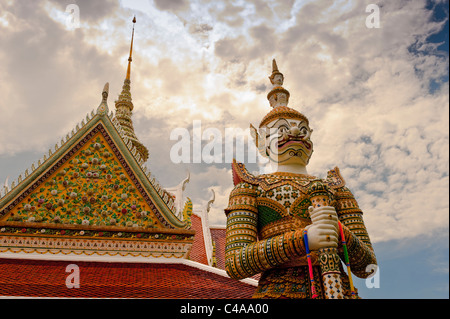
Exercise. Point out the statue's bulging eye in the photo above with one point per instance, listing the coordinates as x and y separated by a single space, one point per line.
282 129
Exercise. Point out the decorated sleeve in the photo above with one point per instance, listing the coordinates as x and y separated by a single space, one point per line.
245 256
359 246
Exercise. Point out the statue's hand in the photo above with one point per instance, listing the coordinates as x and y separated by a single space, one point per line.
323 232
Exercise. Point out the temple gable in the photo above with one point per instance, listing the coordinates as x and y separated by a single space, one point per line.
93 186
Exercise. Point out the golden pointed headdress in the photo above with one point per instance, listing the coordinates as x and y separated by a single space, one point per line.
274 71
279 98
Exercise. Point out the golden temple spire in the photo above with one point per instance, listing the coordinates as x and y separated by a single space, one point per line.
124 106
131 51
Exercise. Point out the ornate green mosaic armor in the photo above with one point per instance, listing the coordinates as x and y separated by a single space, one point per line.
266 216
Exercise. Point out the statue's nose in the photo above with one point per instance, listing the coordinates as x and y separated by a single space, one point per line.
294 130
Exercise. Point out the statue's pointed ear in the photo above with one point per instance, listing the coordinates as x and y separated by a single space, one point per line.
260 141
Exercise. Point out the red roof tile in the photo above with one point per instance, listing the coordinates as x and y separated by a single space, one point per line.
218 236
198 250
41 278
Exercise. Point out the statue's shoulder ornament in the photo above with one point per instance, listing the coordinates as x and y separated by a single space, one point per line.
241 174
337 184
266 182
334 179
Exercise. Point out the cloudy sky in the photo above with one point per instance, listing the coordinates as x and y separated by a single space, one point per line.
376 97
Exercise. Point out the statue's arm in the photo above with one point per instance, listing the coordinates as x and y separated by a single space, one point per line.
360 254
359 246
245 255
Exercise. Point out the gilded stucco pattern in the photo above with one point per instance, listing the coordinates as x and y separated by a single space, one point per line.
91 188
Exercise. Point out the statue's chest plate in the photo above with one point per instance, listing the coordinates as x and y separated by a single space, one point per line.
284 196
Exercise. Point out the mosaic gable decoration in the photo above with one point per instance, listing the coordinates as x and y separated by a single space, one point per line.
90 187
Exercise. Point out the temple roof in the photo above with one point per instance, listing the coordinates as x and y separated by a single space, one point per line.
47 278
94 167
198 250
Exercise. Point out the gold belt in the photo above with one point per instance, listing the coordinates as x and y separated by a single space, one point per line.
301 261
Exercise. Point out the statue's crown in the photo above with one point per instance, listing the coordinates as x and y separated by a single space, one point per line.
279 98
284 112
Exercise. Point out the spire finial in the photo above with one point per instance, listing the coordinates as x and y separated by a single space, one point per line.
279 80
274 66
124 108
105 92
103 107
131 51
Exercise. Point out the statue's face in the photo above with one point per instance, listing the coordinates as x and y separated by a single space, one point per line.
288 141
278 79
